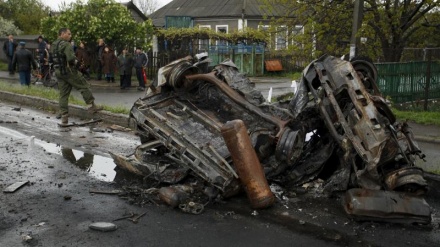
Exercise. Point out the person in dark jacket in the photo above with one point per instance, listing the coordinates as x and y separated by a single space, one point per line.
83 59
41 49
45 65
108 61
99 51
9 47
140 61
24 60
125 66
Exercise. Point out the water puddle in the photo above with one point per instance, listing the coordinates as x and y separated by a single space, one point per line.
97 166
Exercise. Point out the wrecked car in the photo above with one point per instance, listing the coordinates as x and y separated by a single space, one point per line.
213 125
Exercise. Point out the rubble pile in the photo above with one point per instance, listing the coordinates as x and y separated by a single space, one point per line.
212 133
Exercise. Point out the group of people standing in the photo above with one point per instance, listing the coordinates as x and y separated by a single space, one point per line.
72 66
107 62
19 57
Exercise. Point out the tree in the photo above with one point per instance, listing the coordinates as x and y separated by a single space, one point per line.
112 22
311 28
146 6
388 25
395 22
7 27
430 31
25 14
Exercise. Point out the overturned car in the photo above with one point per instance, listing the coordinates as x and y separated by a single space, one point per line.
214 126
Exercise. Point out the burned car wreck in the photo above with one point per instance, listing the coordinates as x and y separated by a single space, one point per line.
215 128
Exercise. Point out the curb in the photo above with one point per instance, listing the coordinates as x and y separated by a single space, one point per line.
74 110
429 139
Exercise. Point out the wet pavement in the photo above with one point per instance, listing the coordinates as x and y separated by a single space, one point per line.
303 219
56 207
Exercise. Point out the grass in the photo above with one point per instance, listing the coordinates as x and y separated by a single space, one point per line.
414 111
421 117
53 94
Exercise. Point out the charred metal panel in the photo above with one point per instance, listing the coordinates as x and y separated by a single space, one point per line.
390 206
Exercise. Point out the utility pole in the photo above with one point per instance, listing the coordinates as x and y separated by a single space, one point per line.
243 13
358 13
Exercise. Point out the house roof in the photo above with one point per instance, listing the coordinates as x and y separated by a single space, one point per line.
131 6
208 9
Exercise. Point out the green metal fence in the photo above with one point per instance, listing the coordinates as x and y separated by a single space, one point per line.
248 58
406 82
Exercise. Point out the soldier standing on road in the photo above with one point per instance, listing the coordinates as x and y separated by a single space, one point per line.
9 49
24 60
69 77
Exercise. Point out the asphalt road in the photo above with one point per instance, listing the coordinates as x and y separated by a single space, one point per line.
110 94
55 208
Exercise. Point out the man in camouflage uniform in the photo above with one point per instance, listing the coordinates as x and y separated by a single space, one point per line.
68 75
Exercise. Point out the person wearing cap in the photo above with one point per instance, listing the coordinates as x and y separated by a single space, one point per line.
68 76
9 47
24 60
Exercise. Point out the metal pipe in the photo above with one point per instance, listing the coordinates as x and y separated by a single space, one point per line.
246 163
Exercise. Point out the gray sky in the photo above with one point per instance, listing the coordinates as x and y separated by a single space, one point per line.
53 4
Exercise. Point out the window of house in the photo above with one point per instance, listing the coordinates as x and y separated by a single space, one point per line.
265 28
204 43
221 29
297 30
281 38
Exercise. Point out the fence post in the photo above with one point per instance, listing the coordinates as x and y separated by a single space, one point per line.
428 80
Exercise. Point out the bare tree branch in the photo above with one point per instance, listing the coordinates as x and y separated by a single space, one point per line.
146 6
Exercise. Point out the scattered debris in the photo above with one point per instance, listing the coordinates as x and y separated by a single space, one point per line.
136 218
73 124
111 192
103 226
26 237
8 121
14 187
119 128
132 217
388 206
215 130
172 196
192 207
